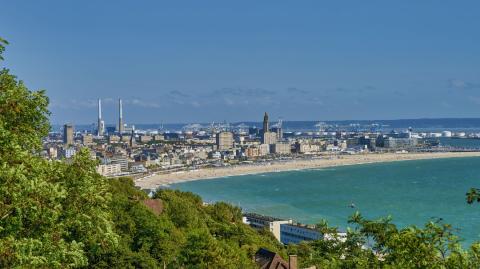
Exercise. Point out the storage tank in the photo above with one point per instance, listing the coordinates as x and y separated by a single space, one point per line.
447 134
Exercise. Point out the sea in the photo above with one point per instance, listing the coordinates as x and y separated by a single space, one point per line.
411 192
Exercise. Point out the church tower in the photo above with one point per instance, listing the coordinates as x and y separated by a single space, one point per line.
265 123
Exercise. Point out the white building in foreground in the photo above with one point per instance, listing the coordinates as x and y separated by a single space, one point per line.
261 222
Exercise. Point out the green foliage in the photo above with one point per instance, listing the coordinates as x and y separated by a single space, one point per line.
217 228
65 215
187 234
52 214
337 252
3 42
434 246
473 195
23 115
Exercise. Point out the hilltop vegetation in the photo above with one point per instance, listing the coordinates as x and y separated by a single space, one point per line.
60 215
65 215
186 234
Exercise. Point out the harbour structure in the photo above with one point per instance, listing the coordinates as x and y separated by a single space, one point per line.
101 123
278 130
68 134
120 117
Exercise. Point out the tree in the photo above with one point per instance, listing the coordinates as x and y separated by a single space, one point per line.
52 214
381 244
55 214
473 195
3 42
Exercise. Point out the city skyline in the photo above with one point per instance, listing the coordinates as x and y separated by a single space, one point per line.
312 61
117 119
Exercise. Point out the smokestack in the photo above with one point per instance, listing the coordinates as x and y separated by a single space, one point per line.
99 108
292 262
100 125
120 116
120 108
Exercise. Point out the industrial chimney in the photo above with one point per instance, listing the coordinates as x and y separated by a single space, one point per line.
101 124
120 116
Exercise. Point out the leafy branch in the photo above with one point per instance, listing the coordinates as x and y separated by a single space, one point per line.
473 195
3 43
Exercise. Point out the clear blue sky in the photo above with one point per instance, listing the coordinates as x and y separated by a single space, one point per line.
201 61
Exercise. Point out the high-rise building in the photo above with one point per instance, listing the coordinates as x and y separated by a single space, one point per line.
68 134
224 140
120 116
101 123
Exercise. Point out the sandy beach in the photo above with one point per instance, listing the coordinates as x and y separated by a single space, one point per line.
157 180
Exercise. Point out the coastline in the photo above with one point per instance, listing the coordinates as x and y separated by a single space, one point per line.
162 180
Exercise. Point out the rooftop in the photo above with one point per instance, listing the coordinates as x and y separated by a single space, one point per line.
262 217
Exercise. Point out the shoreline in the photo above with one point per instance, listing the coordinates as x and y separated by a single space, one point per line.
164 180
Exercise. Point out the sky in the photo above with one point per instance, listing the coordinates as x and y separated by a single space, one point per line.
204 61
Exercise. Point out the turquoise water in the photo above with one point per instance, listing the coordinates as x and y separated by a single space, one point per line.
412 192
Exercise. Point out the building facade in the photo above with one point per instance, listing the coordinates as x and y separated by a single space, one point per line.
113 139
67 153
68 138
261 222
224 141
280 148
120 160
400 143
87 139
109 169
295 233
252 152
269 138
145 138
264 149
